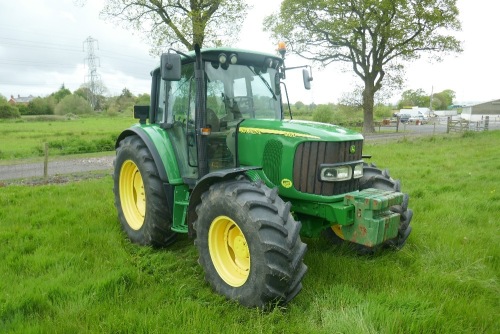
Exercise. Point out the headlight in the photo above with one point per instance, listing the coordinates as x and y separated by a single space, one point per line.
358 171
335 173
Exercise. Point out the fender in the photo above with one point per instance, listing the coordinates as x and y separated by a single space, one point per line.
204 183
165 160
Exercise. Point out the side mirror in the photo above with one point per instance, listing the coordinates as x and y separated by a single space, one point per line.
307 78
170 66
141 113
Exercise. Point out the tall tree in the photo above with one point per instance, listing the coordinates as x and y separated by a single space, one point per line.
372 36
413 98
180 22
445 99
61 93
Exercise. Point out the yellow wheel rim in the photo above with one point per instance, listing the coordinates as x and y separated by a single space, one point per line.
229 251
337 229
132 196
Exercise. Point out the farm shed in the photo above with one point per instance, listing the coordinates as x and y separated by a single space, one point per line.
445 113
478 112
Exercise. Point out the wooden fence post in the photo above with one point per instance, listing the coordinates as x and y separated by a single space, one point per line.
46 161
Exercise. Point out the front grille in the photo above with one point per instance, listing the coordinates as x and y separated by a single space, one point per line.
310 155
271 161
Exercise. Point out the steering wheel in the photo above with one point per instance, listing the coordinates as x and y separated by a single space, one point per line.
244 105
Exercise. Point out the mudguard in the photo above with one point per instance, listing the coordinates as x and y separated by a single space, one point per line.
164 158
166 165
204 183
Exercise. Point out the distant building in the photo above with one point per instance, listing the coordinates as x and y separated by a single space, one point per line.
20 99
478 112
446 113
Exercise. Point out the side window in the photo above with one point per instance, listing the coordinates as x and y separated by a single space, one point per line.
181 95
215 98
180 104
160 112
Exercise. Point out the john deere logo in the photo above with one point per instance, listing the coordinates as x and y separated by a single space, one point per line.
352 149
286 183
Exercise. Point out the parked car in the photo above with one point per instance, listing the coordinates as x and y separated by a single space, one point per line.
404 118
420 118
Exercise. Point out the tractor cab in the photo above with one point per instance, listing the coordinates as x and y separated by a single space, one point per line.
232 86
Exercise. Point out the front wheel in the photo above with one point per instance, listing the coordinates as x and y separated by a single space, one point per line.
249 244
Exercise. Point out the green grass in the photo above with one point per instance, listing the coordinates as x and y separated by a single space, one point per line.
25 138
66 266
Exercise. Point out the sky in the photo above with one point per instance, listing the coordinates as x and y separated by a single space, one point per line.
42 47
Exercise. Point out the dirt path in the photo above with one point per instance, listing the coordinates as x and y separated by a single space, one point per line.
59 167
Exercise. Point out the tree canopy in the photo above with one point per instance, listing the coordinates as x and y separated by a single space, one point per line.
413 98
7 110
418 98
61 93
374 37
171 23
42 106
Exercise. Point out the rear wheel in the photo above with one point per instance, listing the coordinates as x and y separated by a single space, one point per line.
140 197
374 177
249 244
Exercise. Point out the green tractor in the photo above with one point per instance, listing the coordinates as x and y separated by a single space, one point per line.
213 157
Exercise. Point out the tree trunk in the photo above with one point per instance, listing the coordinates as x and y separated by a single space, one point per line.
368 102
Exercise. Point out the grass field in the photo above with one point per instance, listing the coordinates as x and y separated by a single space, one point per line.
66 267
25 138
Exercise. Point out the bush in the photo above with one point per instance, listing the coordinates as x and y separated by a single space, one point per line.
78 145
112 113
23 109
323 114
41 106
73 104
382 111
8 111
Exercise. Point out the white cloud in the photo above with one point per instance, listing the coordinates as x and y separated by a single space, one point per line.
42 47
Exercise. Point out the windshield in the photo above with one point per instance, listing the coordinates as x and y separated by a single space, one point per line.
243 91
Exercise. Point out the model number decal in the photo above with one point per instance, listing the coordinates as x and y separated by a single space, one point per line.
257 131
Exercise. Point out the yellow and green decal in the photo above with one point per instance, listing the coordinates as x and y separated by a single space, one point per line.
259 131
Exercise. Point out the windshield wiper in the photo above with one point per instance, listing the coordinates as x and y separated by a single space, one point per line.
264 81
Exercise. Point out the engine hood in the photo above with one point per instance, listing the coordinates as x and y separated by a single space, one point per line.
299 129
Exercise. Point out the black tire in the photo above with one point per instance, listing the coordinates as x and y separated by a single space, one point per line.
249 244
374 177
140 197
